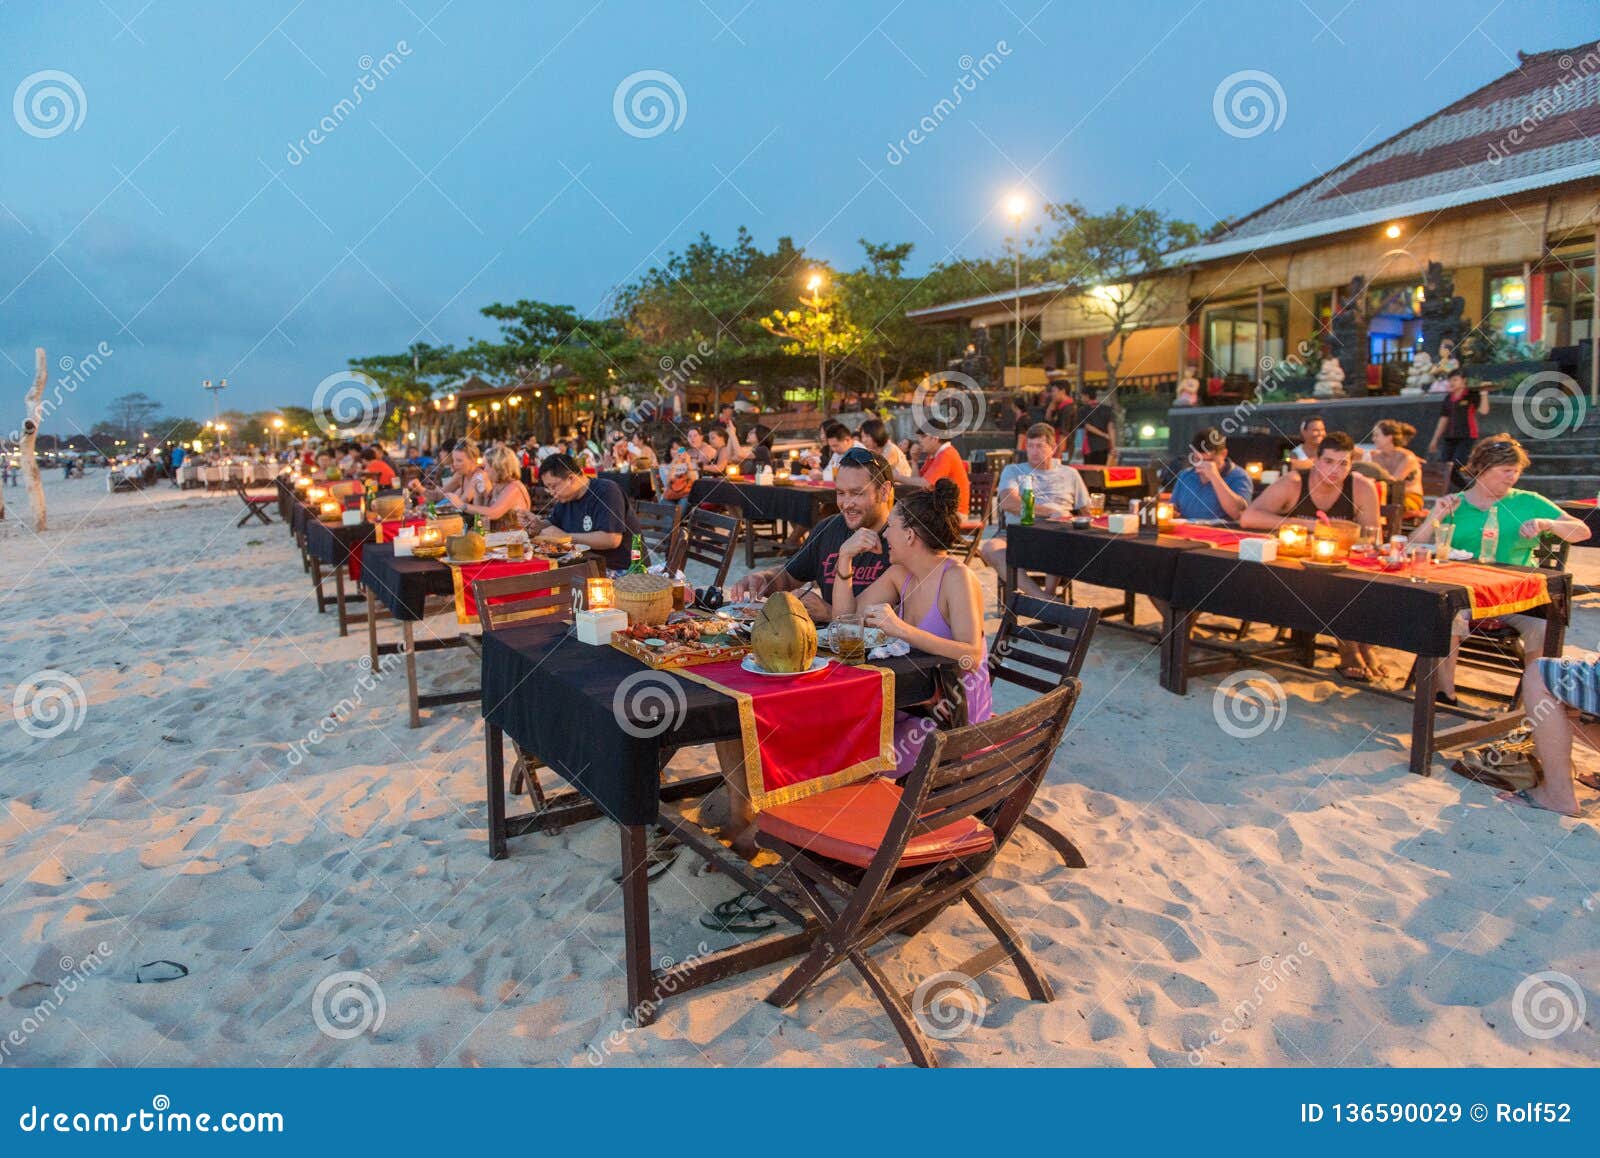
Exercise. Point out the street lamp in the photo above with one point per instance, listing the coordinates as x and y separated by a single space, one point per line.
1016 206
814 283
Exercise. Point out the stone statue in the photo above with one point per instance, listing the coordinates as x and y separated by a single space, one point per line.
1330 380
1441 310
1419 375
1347 332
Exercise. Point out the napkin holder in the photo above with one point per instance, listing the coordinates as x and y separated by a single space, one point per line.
595 627
352 516
405 542
1122 524
1258 550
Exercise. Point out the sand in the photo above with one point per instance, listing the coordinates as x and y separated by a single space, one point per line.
1290 898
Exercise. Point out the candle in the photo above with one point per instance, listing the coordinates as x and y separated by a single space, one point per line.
1164 514
316 494
1253 469
1325 550
301 482
781 475
331 509
733 470
1292 539
601 594
430 537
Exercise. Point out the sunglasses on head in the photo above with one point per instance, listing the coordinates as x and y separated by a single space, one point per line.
858 456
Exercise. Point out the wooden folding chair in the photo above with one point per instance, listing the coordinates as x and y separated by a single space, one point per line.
1041 655
706 538
1435 479
658 522
543 595
255 505
980 504
877 858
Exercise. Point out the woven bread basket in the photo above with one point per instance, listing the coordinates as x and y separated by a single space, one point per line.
448 525
389 506
646 598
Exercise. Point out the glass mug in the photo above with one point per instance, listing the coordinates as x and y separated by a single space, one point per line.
1097 504
1419 557
849 638
1442 534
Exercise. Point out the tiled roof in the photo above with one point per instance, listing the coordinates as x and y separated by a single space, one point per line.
1541 117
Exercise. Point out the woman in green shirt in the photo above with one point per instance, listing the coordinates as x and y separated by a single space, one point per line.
1494 468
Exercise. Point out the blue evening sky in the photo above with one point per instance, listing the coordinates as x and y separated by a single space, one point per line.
190 225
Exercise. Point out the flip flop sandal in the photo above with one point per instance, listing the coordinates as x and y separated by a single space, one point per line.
658 858
740 914
1356 674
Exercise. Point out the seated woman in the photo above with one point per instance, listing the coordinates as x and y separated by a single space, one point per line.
925 598
1397 466
466 475
1327 488
1494 467
505 494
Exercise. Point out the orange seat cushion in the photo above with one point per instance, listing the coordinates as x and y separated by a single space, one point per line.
972 524
848 824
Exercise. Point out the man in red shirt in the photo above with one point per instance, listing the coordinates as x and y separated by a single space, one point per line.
373 464
940 459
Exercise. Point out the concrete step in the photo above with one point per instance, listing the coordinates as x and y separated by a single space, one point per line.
1563 487
1545 464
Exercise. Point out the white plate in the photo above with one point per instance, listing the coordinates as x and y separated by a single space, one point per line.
753 666
1457 555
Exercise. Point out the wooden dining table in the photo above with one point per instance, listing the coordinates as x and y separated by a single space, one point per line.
1191 577
590 714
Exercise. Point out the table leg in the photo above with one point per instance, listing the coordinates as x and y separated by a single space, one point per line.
409 646
372 632
1427 683
636 925
316 581
494 753
1176 627
338 590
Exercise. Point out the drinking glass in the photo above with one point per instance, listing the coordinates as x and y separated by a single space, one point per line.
849 639
1441 542
1419 558
1097 504
1367 541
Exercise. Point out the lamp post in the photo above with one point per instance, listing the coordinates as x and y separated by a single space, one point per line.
215 389
1016 206
814 283
277 432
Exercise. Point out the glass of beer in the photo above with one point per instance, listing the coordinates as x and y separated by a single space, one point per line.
849 639
516 548
1097 504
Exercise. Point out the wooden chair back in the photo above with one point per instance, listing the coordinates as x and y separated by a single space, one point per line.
1550 552
657 521
1435 479
980 496
545 595
1046 651
706 538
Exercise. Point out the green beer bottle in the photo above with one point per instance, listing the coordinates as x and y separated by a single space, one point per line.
636 556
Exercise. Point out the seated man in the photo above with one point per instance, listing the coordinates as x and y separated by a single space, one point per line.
1326 487
1058 492
864 490
594 511
1549 687
940 459
376 466
1211 487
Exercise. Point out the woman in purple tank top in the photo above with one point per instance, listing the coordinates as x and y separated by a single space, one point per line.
925 598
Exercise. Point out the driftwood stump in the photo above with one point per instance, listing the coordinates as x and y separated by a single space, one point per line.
30 434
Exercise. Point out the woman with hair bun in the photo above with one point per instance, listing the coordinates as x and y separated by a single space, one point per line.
925 598
1400 467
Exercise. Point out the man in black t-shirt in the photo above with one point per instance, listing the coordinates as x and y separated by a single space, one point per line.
1097 429
1458 425
864 490
594 512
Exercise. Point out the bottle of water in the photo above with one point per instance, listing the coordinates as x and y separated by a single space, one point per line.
1489 545
1027 501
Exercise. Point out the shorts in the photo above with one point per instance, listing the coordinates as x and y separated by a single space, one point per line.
1573 682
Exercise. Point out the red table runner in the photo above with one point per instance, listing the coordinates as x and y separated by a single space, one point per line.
1492 591
383 533
463 575
806 734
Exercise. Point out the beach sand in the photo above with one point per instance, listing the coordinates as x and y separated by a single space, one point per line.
1294 897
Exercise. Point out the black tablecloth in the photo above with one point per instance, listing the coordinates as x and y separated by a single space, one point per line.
403 585
333 543
638 485
1358 606
584 710
1126 562
801 505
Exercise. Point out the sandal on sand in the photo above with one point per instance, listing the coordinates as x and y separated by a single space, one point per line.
1588 780
740 914
659 856
1522 797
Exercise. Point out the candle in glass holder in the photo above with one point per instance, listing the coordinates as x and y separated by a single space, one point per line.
733 470
601 594
1253 469
1292 539
330 509
1325 550
781 475
1164 515
430 537
316 494
301 482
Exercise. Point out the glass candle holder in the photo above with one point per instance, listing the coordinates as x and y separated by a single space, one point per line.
601 593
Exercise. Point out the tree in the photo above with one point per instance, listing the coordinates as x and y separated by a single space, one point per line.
820 330
1109 265
129 417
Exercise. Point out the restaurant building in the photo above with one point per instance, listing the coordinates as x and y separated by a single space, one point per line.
1502 188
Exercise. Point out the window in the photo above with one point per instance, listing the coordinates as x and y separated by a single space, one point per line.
1231 345
1508 305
